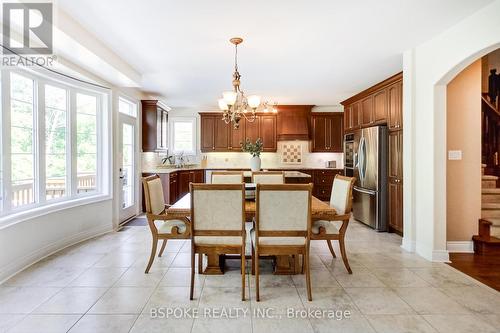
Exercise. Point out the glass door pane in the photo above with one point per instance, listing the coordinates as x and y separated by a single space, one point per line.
128 174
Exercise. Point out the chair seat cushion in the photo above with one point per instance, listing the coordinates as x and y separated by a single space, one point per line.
278 240
330 227
218 240
165 227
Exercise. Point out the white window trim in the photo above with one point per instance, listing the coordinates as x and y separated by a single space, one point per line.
171 122
9 215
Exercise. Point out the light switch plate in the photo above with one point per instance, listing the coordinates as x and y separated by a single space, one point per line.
454 155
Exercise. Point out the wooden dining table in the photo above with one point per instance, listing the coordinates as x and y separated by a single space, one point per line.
284 265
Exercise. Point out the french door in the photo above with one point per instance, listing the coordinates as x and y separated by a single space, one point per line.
127 164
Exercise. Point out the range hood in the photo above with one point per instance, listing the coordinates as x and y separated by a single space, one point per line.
294 122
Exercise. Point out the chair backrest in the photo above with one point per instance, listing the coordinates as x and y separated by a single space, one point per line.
341 197
283 209
268 177
153 194
217 209
227 177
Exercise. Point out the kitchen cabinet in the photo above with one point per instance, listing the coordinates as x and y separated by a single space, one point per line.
356 117
396 181
367 111
293 122
185 177
380 106
217 136
154 126
347 118
323 182
395 106
327 132
173 189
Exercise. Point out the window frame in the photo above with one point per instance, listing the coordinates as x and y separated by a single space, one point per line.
41 205
171 129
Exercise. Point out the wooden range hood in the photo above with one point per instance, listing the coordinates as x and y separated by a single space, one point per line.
294 122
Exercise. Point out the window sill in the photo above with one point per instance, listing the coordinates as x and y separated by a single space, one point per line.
17 217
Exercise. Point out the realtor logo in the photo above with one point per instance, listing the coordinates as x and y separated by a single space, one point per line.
27 28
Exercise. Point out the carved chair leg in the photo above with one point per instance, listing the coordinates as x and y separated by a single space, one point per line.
344 254
329 242
191 290
308 273
162 247
200 263
243 273
153 254
256 264
253 260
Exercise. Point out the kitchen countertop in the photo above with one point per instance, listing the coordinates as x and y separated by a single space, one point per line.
292 173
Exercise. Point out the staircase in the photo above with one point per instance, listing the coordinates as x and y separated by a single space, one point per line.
488 240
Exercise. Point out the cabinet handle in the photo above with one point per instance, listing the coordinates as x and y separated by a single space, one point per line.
213 148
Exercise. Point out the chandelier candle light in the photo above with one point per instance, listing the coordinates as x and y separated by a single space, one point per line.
234 104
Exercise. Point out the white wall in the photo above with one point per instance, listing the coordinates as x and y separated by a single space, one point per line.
430 66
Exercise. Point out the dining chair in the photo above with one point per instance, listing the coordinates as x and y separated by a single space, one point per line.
341 200
268 177
161 225
218 223
227 177
282 225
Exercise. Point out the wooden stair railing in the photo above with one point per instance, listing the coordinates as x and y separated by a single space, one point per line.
493 107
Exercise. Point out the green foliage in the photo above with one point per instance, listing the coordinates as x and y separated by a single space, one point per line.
253 148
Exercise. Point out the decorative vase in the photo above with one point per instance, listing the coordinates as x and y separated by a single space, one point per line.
255 163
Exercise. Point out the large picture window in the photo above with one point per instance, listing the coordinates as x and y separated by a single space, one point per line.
51 136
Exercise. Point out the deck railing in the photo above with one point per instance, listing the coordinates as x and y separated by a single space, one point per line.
22 193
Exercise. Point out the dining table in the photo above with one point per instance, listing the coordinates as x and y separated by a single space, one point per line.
284 264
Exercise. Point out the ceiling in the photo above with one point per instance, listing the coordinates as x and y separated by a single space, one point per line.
295 52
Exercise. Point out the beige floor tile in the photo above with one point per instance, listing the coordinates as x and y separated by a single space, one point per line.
159 264
319 278
476 299
9 320
45 276
223 325
72 300
492 319
146 324
400 324
171 297
118 259
45 324
135 277
328 298
277 298
66 259
229 279
181 277
442 277
361 279
459 324
98 277
269 280
223 297
183 260
23 299
430 301
373 301
104 324
122 300
355 323
281 325
399 277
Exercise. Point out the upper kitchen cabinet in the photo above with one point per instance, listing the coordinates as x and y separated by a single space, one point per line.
377 105
294 122
154 126
327 132
268 132
214 133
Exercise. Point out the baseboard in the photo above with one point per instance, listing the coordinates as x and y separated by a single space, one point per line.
460 247
440 256
22 263
408 245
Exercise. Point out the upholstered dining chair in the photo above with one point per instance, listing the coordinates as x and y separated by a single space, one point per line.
227 177
282 225
161 225
268 177
341 200
218 223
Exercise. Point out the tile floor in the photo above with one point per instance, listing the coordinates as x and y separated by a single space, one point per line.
100 286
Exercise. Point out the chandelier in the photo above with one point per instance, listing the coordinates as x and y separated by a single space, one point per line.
234 104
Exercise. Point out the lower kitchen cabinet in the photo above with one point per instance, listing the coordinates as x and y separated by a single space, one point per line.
396 206
186 177
323 182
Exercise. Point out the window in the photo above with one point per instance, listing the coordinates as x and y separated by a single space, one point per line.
127 107
183 133
52 143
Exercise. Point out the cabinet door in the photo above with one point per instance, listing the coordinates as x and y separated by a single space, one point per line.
394 103
320 141
396 155
221 135
199 176
236 136
252 129
173 189
268 132
347 118
367 111
183 183
336 134
380 106
396 206
207 133
355 116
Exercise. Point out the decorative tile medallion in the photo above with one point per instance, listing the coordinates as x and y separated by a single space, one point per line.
291 153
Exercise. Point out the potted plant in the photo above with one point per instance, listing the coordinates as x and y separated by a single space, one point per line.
254 149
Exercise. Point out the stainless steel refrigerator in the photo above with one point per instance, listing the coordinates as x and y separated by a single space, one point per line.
370 158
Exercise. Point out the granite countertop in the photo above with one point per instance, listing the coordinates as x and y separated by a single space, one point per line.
292 173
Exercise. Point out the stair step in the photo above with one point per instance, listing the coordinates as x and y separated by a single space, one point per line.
488 183
495 223
491 191
490 206
489 177
490 213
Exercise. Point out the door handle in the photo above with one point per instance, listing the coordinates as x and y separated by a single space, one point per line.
358 189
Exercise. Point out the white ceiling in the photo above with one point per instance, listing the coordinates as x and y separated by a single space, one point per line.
295 52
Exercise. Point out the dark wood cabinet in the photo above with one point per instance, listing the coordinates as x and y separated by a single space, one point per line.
185 177
327 132
293 122
323 182
173 188
154 126
395 106
347 118
356 116
396 181
380 106
217 136
367 111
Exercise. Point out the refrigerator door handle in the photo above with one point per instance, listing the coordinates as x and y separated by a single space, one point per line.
361 158
359 189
